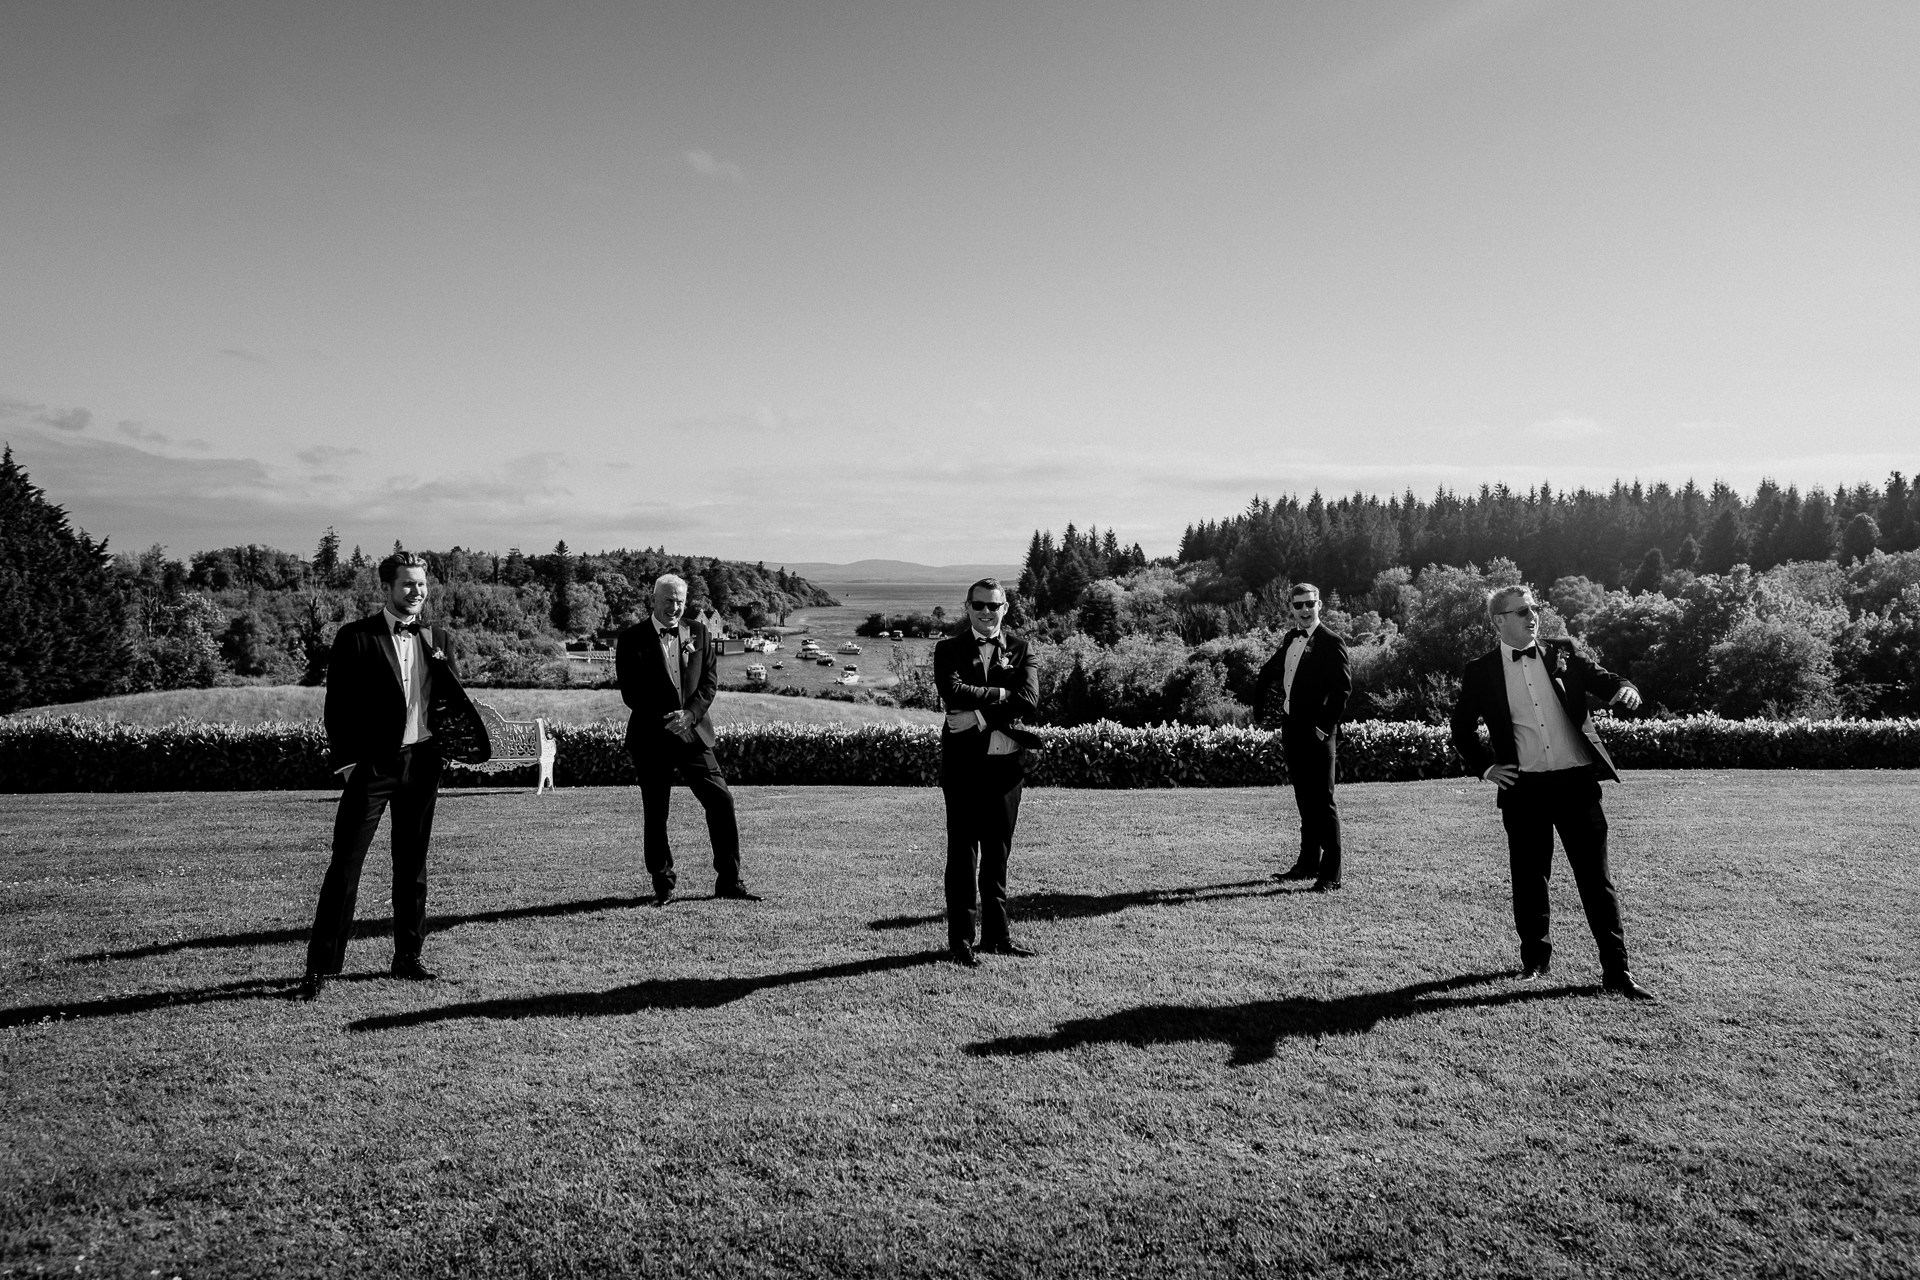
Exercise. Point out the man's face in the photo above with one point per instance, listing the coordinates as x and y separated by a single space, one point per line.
1519 620
986 608
1306 611
408 594
669 602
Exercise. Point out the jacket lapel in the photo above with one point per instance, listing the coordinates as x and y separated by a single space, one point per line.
1499 710
383 632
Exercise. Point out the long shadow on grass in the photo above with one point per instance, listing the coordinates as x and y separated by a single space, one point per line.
1078 906
361 929
1255 1029
147 1002
655 993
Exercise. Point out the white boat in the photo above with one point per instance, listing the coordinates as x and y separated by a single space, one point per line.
849 647
756 674
849 675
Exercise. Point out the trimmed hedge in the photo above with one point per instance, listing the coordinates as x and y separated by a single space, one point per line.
71 754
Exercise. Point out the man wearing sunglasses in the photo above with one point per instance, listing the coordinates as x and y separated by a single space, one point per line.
1548 761
1312 671
987 682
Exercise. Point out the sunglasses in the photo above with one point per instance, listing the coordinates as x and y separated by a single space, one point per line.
1305 604
990 606
1524 611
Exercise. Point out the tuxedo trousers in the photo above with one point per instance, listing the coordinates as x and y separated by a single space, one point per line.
1567 801
983 804
409 784
1311 764
699 769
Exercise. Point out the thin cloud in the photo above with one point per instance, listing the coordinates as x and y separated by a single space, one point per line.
324 454
134 431
712 166
67 419
241 353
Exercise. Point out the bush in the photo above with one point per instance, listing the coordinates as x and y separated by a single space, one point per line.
493 659
68 754
178 649
1776 666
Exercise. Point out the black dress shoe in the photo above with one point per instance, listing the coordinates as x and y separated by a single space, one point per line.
662 895
962 953
1007 947
1325 886
737 890
1537 970
1626 986
409 969
311 986
1299 871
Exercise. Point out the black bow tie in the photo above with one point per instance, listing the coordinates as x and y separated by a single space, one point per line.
992 640
1531 651
412 628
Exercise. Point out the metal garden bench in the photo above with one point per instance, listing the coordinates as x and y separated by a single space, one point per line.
516 743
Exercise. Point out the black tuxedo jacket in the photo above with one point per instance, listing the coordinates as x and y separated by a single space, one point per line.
366 711
967 686
1322 682
640 666
1483 697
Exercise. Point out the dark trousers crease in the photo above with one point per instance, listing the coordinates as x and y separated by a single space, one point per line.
982 810
700 772
1311 765
1532 810
409 784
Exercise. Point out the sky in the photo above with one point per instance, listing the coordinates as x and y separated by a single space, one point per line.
822 281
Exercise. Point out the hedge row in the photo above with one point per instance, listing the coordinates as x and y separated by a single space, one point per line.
70 754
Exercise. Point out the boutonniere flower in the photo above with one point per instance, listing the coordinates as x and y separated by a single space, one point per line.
437 654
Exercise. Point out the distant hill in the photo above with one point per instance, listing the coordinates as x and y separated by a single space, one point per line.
903 571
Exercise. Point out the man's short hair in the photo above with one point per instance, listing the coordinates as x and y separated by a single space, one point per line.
390 567
1498 597
991 584
1301 588
669 580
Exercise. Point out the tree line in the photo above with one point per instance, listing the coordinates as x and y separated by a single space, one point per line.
1619 537
78 621
1778 604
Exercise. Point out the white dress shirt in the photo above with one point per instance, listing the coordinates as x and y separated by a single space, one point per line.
1296 649
414 678
670 652
1547 738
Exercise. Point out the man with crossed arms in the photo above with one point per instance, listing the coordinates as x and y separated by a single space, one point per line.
987 680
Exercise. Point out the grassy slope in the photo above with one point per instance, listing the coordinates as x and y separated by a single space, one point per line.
1200 1073
251 704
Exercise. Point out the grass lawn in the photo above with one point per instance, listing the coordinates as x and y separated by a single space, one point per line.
1202 1073
252 704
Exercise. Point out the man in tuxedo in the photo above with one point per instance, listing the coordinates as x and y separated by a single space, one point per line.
1311 669
987 682
665 667
391 683
1548 761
